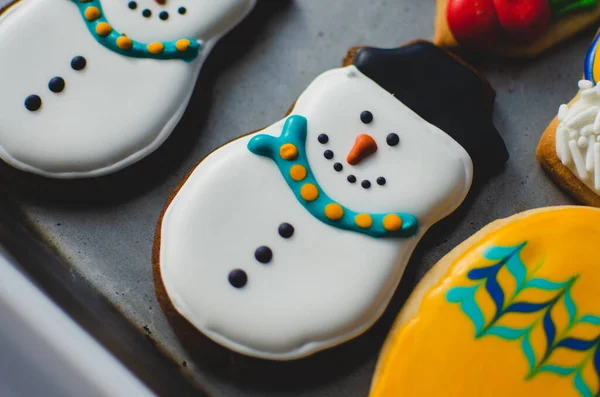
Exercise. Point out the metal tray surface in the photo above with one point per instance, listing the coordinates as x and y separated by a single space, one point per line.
103 229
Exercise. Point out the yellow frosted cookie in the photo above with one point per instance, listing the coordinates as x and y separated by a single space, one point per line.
512 311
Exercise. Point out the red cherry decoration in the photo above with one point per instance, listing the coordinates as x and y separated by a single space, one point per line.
523 20
473 23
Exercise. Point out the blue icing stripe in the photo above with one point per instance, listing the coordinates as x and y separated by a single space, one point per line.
185 49
591 59
293 138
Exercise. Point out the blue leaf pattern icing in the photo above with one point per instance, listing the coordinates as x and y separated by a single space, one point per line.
509 258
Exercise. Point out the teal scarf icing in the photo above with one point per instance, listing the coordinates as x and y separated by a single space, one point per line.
289 153
186 49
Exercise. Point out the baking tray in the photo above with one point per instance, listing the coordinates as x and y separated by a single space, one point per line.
88 243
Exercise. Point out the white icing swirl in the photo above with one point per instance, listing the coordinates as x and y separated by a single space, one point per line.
578 135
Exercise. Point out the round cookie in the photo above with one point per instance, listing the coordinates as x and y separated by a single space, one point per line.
512 28
569 149
292 239
511 311
100 84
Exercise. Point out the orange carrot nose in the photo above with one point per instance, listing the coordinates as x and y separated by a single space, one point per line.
363 148
161 2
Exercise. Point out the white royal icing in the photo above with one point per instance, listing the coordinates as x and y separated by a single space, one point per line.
118 109
578 135
324 285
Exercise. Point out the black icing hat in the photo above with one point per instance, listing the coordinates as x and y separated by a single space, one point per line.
443 90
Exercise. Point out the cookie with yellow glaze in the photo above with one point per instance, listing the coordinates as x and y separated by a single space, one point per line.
514 310
514 28
569 149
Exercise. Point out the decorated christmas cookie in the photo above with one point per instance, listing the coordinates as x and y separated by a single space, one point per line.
570 148
512 311
89 87
521 28
293 239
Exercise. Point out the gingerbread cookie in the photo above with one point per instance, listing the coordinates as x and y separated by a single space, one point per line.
92 86
293 239
512 311
569 149
518 28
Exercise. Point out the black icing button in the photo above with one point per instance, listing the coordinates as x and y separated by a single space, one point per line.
33 103
132 5
328 154
147 13
338 167
393 139
366 184
78 63
366 117
381 181
263 254
56 84
164 15
323 138
286 230
182 10
351 179
238 278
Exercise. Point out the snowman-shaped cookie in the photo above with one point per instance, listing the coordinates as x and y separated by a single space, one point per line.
89 87
293 239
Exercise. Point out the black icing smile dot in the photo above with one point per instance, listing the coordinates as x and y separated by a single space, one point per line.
57 84
323 138
238 278
328 154
366 117
147 13
33 103
393 139
263 254
132 5
78 63
366 184
164 15
182 10
338 167
351 179
286 230
381 181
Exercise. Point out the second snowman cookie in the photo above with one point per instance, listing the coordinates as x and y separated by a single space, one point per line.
88 87
293 239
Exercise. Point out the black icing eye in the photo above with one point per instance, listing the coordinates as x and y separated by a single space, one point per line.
323 138
366 117
393 139
132 5
164 15
182 10
328 154
147 13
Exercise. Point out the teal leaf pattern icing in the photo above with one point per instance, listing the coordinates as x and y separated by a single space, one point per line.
558 295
